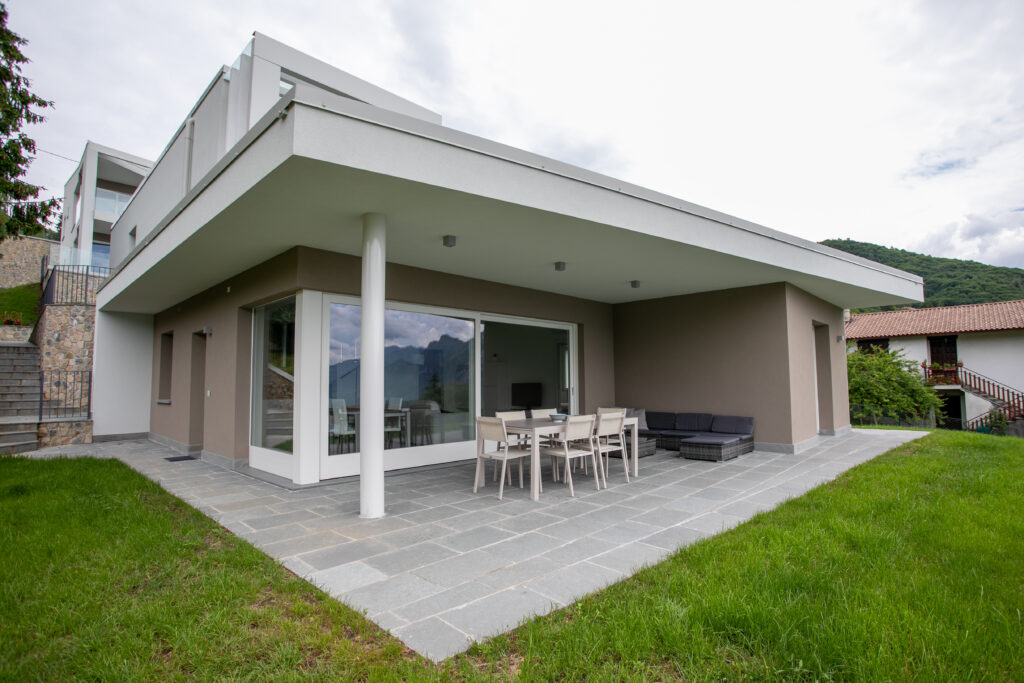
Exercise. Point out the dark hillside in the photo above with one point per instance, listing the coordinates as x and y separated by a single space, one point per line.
947 281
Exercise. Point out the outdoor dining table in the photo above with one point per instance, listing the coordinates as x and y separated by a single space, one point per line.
543 426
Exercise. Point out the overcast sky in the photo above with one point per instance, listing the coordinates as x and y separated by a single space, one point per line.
900 123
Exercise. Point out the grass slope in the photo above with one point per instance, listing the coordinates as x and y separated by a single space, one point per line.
22 299
947 282
908 567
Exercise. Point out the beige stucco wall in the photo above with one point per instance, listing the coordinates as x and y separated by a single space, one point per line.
20 258
226 416
812 411
747 351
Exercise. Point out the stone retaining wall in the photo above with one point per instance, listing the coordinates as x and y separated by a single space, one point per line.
64 335
20 258
15 333
64 432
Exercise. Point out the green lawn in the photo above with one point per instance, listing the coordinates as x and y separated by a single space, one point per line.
910 566
23 299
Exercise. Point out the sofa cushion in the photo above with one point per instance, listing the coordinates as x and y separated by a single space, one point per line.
657 420
717 439
693 422
732 424
641 416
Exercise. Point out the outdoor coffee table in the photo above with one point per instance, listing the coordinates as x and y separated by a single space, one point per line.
540 427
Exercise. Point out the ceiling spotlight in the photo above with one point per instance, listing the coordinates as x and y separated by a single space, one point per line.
635 284
448 240
559 265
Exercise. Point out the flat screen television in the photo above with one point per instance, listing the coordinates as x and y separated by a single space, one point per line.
527 394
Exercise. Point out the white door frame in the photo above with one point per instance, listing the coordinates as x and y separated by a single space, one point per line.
347 464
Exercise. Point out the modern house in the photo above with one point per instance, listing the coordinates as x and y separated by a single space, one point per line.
318 279
974 353
94 197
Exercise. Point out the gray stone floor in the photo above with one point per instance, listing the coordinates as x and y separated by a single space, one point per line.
446 567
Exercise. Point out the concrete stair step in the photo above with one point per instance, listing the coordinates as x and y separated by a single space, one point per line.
20 447
20 412
18 391
14 403
16 437
18 375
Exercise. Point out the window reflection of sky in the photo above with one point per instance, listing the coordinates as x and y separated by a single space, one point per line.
401 328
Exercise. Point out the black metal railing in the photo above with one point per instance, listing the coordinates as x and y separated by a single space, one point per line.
73 285
65 394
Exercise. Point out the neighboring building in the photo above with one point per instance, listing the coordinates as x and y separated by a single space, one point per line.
978 348
95 196
317 279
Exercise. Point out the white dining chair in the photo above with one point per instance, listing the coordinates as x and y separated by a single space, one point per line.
610 436
575 442
340 428
516 439
493 429
537 413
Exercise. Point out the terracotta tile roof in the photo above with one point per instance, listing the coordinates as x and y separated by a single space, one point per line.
1000 315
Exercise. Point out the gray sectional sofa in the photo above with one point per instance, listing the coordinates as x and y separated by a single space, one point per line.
701 436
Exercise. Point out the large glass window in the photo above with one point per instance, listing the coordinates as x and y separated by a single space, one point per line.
429 379
274 375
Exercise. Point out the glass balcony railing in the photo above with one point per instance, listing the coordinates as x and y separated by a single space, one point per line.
109 201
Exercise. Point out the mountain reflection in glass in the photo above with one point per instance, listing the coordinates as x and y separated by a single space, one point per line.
428 379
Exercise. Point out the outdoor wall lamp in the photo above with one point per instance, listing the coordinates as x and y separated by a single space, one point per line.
635 284
559 265
448 240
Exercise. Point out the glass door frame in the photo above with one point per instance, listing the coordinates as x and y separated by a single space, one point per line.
347 464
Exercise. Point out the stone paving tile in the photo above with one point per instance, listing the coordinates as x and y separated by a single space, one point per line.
303 544
497 613
475 538
471 520
269 521
579 550
390 593
434 638
445 600
343 554
414 534
520 572
524 546
713 522
461 568
624 532
408 558
675 537
631 557
567 585
371 528
528 522
346 577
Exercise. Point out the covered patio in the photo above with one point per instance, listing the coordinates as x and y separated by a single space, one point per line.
446 567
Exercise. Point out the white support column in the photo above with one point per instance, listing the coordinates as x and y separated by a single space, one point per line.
371 369
309 411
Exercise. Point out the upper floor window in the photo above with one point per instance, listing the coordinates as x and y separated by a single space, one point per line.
109 201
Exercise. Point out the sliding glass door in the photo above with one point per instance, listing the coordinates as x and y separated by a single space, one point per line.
429 385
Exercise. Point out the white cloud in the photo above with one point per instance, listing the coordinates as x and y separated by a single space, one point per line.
900 123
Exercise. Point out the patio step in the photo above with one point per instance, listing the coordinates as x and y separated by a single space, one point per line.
19 397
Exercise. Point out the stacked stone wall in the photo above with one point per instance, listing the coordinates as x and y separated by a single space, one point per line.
15 333
64 335
64 433
20 258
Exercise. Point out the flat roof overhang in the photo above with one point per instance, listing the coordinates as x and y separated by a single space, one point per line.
316 163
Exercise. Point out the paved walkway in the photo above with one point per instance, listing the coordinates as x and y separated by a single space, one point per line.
447 567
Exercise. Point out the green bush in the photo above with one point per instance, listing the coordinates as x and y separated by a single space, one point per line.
885 384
